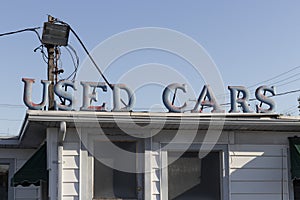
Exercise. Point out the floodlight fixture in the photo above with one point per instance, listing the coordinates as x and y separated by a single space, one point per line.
55 34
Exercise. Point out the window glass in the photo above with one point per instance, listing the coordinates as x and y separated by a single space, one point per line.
192 178
296 189
110 183
4 181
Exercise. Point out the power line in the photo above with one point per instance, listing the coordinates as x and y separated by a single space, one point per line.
272 78
75 61
10 120
12 105
287 78
279 94
288 82
23 30
277 76
87 52
289 109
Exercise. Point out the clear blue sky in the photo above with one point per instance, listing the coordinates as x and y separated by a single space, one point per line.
250 41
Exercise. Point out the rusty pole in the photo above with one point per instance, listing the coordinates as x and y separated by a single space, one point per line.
51 70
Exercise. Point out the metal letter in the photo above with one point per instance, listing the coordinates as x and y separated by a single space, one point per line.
89 97
117 99
260 95
27 98
166 95
234 91
211 102
60 91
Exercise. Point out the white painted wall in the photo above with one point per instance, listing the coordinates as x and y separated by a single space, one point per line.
256 165
71 166
258 172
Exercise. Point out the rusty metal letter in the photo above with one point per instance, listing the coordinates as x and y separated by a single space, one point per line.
166 97
260 95
60 91
27 98
211 102
117 98
89 97
235 100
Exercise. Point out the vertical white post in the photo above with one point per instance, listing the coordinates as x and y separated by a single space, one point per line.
52 150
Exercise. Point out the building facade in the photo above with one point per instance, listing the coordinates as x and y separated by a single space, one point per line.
151 156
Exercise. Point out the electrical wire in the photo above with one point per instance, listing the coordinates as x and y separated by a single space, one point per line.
277 76
11 105
289 109
11 120
44 56
23 30
279 94
91 58
288 82
285 79
75 61
86 51
270 79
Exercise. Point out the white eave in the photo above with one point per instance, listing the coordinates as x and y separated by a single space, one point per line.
36 122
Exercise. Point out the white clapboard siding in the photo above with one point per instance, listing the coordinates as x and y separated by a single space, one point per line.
258 187
70 173
254 162
265 150
71 198
31 192
71 162
155 178
258 172
259 197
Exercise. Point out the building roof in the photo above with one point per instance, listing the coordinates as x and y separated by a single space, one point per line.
33 130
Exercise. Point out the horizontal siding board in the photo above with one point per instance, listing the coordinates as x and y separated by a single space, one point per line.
71 149
70 197
155 175
155 197
258 175
155 188
26 192
70 175
258 197
70 162
70 189
258 187
256 150
258 162
27 198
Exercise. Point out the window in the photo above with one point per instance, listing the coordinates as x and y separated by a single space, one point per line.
4 169
192 178
110 183
296 184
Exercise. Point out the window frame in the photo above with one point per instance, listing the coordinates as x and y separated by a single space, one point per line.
140 148
224 168
11 163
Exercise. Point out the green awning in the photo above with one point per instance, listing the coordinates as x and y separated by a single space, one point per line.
34 170
295 156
